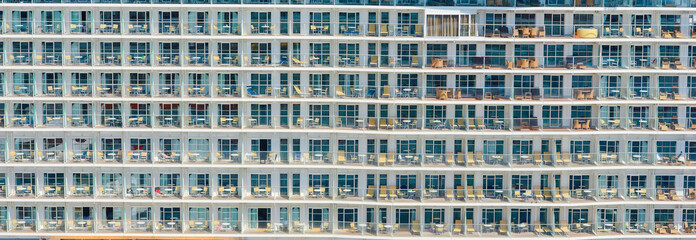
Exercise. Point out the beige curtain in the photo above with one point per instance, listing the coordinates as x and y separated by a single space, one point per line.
443 25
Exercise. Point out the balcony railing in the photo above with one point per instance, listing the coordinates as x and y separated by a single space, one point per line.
507 3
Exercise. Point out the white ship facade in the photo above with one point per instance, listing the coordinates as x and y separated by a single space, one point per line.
348 119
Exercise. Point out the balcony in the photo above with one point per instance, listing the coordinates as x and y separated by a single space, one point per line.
227 59
198 121
230 28
138 90
139 121
169 27
169 121
138 156
81 191
49 27
22 120
109 28
138 59
139 226
81 27
110 191
138 28
84 156
55 156
168 192
54 191
199 191
139 192
25 58
20 27
112 121
109 225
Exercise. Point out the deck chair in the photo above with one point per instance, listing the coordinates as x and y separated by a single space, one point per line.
470 158
479 193
370 191
460 192
415 227
449 159
449 194
460 159
502 229
457 226
537 193
382 159
392 192
386 92
470 226
564 228
537 228
565 193
470 192
547 194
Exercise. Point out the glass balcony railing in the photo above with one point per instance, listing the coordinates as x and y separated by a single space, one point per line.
140 225
486 3
325 59
49 27
110 225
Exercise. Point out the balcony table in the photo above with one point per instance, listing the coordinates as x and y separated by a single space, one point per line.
317 91
521 227
168 121
411 193
226 90
429 158
487 228
433 192
608 226
21 224
82 224
276 91
317 157
586 158
277 226
439 226
358 92
362 227
200 121
526 195
360 123
170 225
52 225
406 123
407 91
496 158
409 158
499 124
388 228
362 157
498 194
524 158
